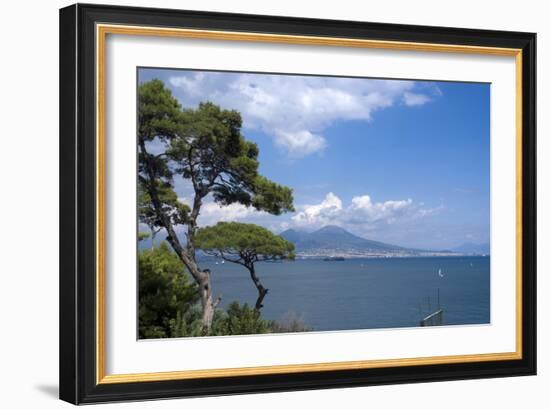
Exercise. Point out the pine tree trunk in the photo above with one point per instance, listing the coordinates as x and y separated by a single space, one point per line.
201 277
262 291
208 304
186 255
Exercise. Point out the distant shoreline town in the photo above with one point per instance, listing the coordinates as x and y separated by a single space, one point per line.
331 242
334 243
354 255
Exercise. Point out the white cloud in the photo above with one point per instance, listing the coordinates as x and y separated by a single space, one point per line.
300 143
212 213
430 212
389 221
325 212
294 110
414 99
362 211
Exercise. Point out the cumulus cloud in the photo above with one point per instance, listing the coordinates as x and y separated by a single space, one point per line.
362 211
390 220
300 143
295 110
413 99
325 212
212 213
429 212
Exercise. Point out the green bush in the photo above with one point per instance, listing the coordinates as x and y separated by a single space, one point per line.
164 292
237 320
169 307
242 320
291 323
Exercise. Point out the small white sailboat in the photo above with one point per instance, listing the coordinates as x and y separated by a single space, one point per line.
440 273
223 261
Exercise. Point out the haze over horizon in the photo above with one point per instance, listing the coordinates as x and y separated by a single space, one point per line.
401 162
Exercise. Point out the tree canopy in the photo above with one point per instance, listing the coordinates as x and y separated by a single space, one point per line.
204 146
212 153
244 244
164 291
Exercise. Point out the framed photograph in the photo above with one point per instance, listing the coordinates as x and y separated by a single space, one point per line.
257 203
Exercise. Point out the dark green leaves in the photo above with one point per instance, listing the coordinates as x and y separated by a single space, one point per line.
164 291
176 211
271 197
159 113
240 240
243 320
205 146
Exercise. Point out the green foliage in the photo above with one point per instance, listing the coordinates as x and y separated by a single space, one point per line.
159 113
243 320
215 156
176 211
164 292
244 244
205 146
291 323
271 197
187 324
237 320
142 236
159 117
242 241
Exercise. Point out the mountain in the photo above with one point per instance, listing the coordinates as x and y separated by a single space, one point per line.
337 240
334 241
473 248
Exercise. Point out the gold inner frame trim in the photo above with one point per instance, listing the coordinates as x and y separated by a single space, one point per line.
101 33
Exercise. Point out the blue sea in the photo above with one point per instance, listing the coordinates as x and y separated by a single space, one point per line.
363 293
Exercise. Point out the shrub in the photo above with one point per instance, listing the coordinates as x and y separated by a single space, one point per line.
164 292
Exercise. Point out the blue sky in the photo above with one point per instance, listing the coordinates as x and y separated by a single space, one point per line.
405 162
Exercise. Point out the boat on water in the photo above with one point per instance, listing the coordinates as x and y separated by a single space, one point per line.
334 259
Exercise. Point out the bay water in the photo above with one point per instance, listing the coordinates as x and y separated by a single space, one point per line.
362 293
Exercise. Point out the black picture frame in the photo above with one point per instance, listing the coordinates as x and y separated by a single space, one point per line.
78 360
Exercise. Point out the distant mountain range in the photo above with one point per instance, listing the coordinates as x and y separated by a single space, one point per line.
473 248
334 237
331 241
334 241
